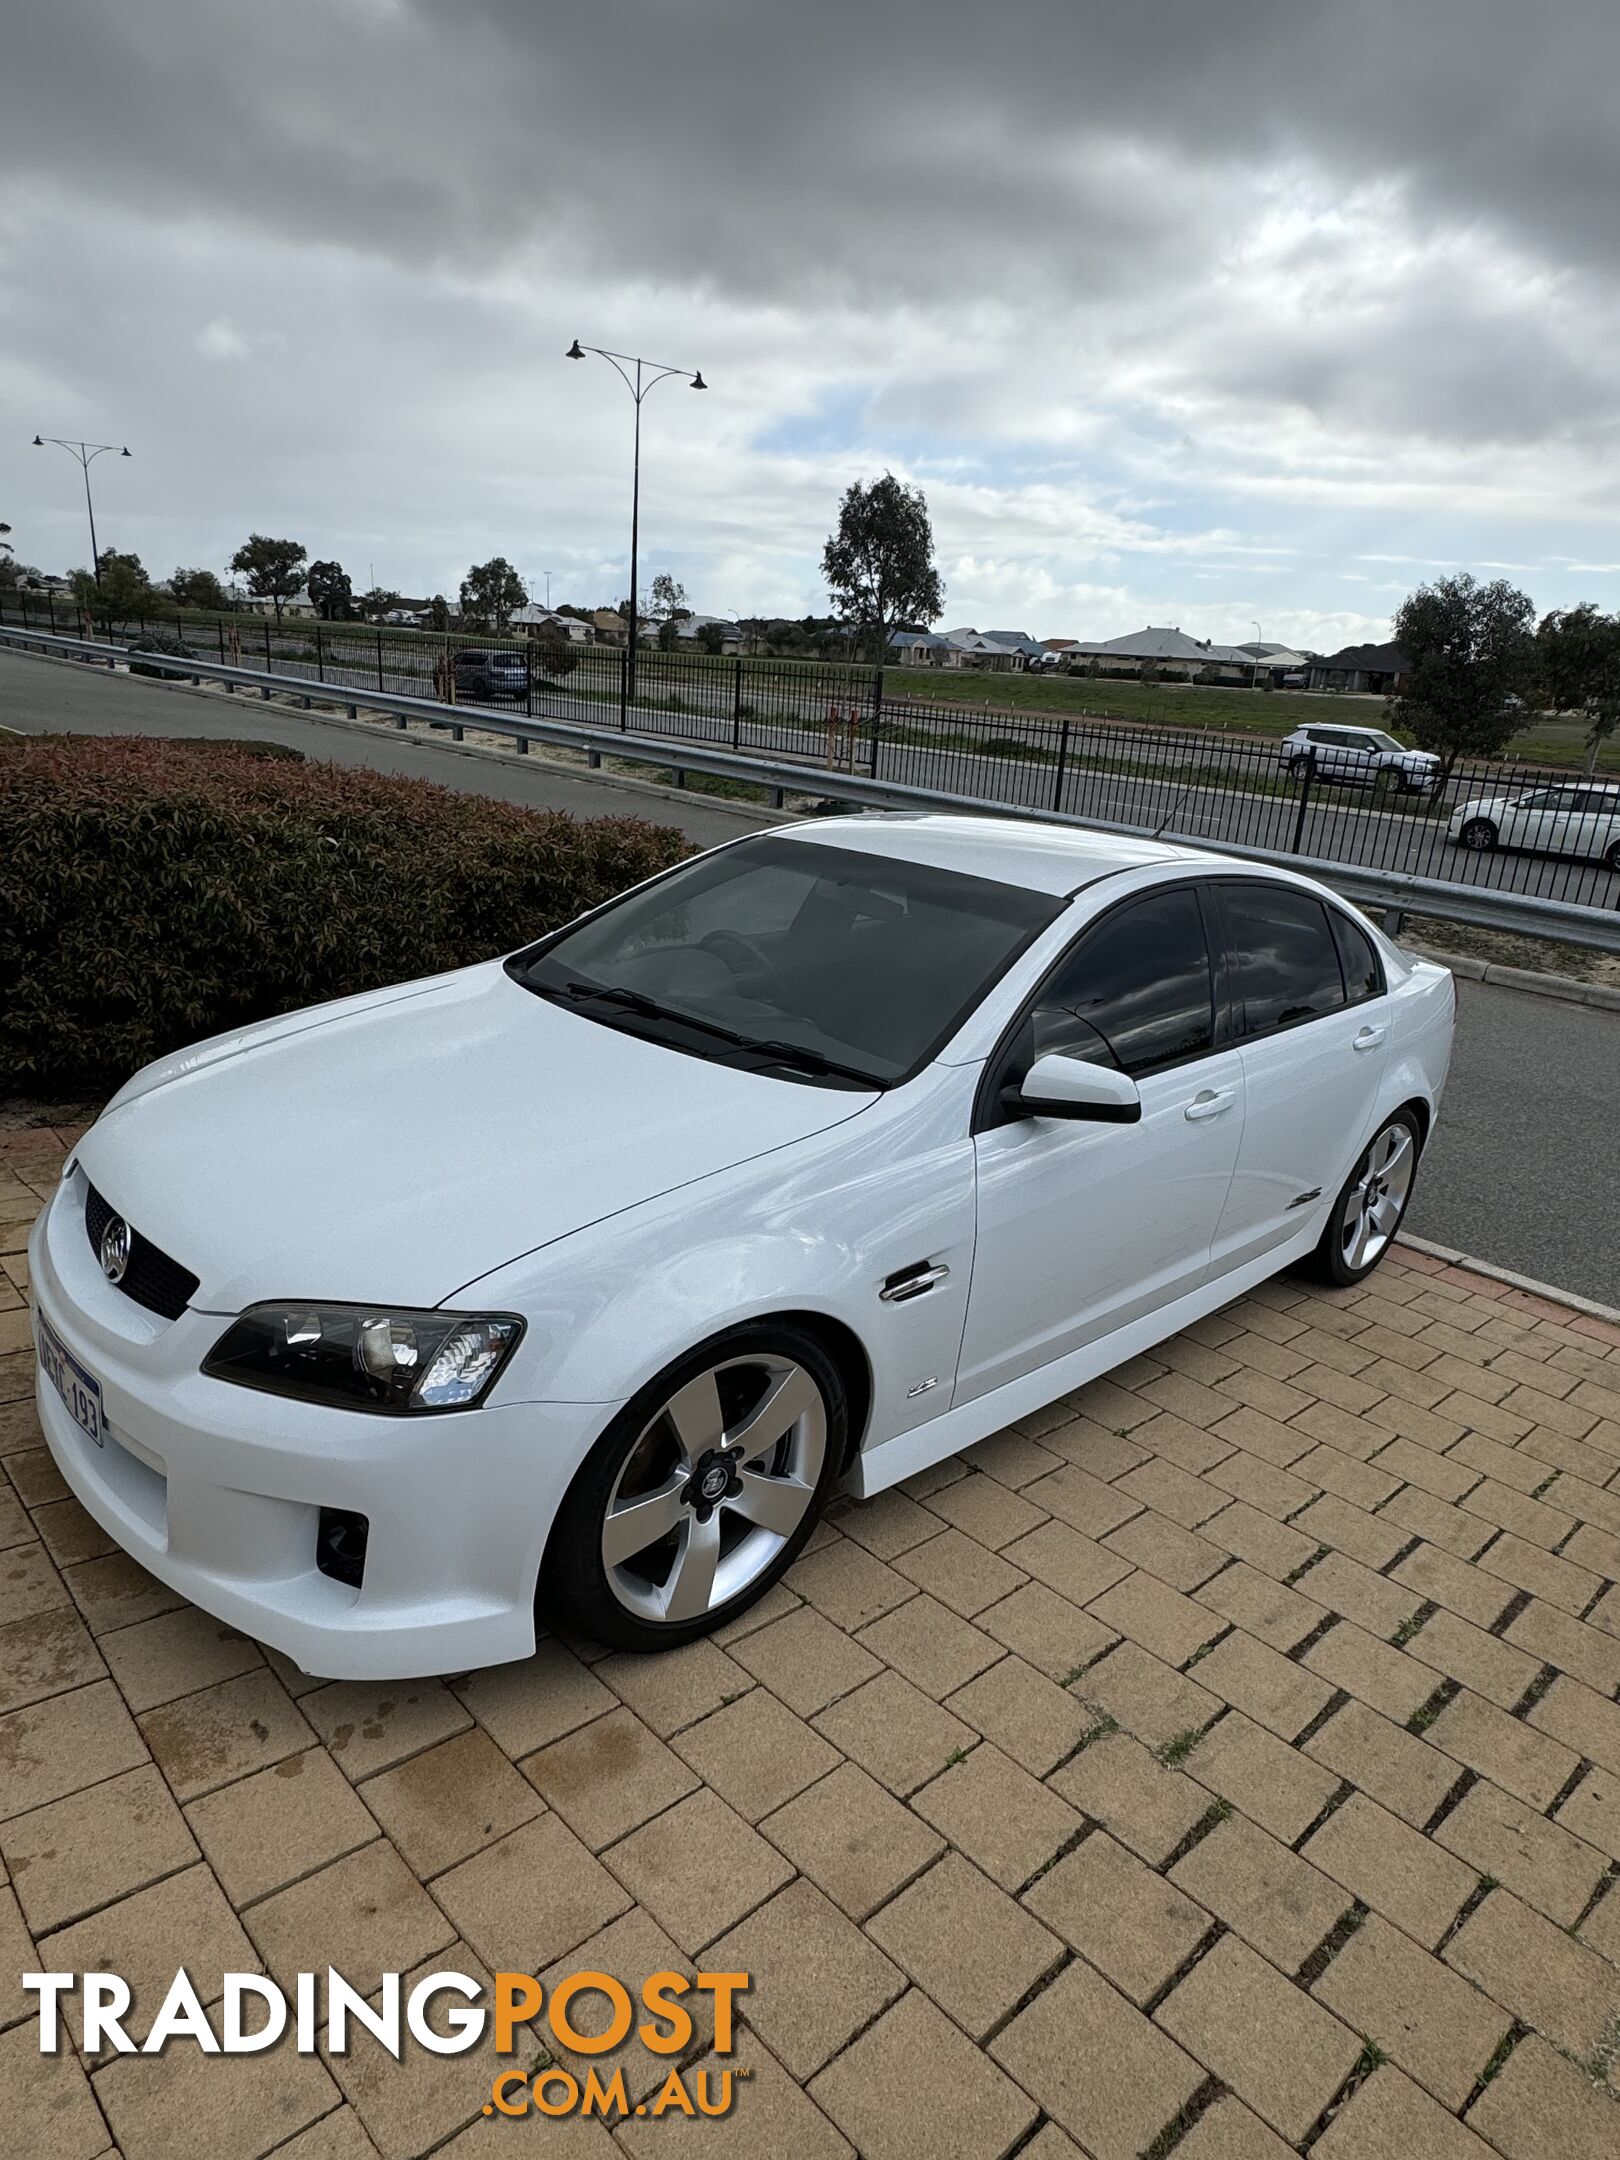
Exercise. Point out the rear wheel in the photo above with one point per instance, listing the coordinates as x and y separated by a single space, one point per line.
701 1491
1300 764
1368 1211
1479 835
1612 858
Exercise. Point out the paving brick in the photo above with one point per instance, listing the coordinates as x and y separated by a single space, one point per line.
697 1868
185 2105
365 1915
1122 1916
935 1649
46 1654
50 2112
1275 1548
206 1740
1564 1990
1230 2131
775 2122
531 1897
267 1830
1163 1486
1176 1556
1553 1638
1397 1768
1358 1593
1390 1867
1261 1606
1540 2107
1160 1619
1350 1529
607 1778
887 1524
1502 1748
1479 1661
83 1851
1390 2118
1427 2019
370 1725
1073 1565
974 1950
441 1806
1046 1630
143 1937
1491 1458
1595 1550
1278 1903
1014 1460
986 1510
1275 2047
805 1660
1272 1689
29 1583
912 2087
1543 1863
64 1743
1442 1475
1329 1469
523 1706
672 1688
1265 1437
847 1583
1006 1821
1533 1520
1030 1718
1146 1696
1371 1670
891 1728
1460 1585
1592 1811
1582 1719
1086 1504
853 1839
815 1979
1118 1783
1279 1787
1422 1515
754 1752
962 1574
175 1654
630 1948
1118 2091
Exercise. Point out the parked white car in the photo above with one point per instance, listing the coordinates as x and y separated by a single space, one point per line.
1572 817
587 1275
1359 757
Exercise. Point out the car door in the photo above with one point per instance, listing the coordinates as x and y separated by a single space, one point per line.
1537 821
1311 1021
1085 1227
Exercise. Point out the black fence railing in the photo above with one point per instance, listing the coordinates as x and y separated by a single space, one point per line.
1501 823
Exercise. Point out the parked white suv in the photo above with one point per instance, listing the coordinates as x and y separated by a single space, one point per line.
1364 755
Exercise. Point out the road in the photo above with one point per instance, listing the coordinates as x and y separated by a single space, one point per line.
1524 1169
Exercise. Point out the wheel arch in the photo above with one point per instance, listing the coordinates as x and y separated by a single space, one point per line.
849 1354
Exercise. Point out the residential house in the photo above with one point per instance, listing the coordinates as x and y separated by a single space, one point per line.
1170 651
1020 643
299 604
1372 670
1277 661
610 628
970 648
688 627
917 648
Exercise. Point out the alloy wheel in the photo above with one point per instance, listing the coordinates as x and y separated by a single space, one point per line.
1376 1201
713 1486
1479 834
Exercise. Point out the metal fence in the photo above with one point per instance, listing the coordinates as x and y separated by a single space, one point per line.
831 719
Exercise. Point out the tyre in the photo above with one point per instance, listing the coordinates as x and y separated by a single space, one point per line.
1300 765
1368 1212
1479 835
1612 857
701 1491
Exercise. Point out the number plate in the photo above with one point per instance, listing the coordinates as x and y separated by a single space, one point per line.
79 1390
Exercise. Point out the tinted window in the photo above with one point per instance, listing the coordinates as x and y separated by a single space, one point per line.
1285 967
1363 977
789 954
1135 992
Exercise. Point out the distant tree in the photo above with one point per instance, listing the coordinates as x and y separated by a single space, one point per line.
199 589
490 593
555 659
712 636
372 606
668 598
879 564
439 612
124 587
331 590
274 569
1578 651
1469 654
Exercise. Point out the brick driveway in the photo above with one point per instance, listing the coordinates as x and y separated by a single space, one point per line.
1226 1760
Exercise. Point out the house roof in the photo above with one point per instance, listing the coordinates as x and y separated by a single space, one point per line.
916 637
1168 644
1015 640
1275 655
1372 659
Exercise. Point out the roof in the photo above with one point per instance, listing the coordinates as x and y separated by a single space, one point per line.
1016 640
915 637
1170 644
1279 655
1043 858
1374 659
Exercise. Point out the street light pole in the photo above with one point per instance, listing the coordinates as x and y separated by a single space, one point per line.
648 373
86 453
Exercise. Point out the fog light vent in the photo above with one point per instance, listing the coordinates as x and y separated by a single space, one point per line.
340 1545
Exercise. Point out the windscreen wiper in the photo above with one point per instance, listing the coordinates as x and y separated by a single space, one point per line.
810 1061
783 1053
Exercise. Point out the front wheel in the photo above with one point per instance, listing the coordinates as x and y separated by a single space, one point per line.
1612 858
1479 836
1368 1211
701 1491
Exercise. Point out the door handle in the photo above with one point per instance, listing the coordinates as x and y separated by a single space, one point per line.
1208 1103
1368 1038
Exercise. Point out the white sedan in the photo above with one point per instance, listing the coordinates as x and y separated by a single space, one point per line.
584 1277
1571 817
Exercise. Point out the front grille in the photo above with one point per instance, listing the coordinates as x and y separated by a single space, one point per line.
152 1279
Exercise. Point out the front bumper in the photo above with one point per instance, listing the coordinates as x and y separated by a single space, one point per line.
217 1489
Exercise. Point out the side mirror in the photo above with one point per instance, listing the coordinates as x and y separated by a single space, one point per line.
1066 1087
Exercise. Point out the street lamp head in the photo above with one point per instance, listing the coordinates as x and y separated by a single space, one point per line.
697 382
39 442
573 352
125 451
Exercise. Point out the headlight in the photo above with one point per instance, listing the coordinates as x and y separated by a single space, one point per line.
366 1357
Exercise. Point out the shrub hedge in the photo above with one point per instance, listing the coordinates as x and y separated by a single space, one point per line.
155 892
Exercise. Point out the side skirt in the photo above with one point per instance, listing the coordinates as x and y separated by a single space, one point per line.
960 1428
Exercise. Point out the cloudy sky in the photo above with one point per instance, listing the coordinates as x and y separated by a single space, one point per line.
1210 315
